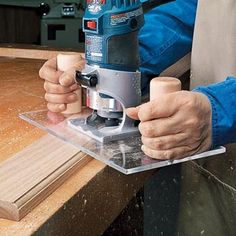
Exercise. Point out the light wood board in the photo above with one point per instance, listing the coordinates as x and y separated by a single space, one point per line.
21 51
34 173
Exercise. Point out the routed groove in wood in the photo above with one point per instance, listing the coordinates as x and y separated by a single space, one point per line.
34 173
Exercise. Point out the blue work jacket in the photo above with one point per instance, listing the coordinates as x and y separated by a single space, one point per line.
165 38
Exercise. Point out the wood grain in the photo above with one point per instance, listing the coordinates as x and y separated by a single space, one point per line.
93 196
51 212
32 52
21 90
32 174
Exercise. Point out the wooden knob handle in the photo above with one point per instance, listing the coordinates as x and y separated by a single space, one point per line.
162 85
64 63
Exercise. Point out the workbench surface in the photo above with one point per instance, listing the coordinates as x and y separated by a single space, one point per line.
20 90
94 195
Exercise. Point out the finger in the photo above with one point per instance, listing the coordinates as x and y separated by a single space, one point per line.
165 142
55 117
61 98
174 153
132 112
68 77
160 127
49 71
59 89
82 55
166 105
56 107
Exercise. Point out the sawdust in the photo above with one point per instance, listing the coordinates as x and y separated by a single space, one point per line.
20 92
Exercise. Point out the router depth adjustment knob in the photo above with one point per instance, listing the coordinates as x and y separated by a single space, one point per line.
89 80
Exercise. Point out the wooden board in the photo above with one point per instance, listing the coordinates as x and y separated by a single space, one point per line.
27 177
33 52
68 198
32 174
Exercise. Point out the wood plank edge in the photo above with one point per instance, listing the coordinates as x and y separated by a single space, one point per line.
68 170
17 210
9 210
32 53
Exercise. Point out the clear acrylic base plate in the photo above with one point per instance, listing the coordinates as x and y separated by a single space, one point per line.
125 156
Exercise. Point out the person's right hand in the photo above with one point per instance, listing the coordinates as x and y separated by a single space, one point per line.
59 86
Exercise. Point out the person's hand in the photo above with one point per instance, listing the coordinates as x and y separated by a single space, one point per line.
175 125
59 87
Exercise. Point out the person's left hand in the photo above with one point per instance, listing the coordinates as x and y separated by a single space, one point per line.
175 125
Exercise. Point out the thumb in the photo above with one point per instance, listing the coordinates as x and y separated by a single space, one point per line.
68 77
132 112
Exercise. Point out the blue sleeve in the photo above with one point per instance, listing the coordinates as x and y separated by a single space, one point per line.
223 101
165 37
